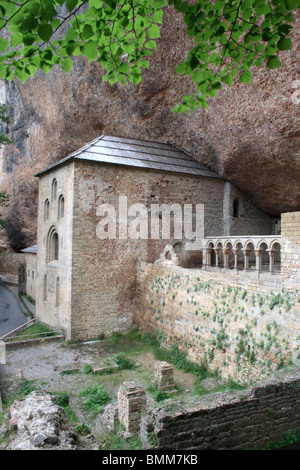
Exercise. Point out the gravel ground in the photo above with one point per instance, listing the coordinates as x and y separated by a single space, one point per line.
47 366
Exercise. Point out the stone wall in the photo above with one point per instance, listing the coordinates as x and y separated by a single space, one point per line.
31 273
104 271
244 325
290 250
53 297
232 420
10 261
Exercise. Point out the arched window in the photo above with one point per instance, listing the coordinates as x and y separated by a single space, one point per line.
236 208
45 288
46 210
61 206
54 190
52 245
57 292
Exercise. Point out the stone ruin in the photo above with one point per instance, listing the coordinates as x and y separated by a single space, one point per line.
132 401
164 375
40 424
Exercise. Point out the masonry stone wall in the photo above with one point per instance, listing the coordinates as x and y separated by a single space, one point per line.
290 249
251 419
53 300
104 271
10 261
31 273
241 324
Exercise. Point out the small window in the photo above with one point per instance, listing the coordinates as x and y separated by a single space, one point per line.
61 206
46 210
32 274
54 190
52 245
236 208
45 288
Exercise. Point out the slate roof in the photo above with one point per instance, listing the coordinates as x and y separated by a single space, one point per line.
30 249
138 153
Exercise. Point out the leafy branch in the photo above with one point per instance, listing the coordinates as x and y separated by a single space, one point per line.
230 38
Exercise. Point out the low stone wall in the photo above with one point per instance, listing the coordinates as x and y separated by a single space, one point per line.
223 421
9 262
245 326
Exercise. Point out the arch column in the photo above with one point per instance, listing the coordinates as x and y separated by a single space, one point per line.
271 260
217 252
236 257
258 260
208 253
226 257
246 259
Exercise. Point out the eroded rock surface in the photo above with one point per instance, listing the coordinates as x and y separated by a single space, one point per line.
250 134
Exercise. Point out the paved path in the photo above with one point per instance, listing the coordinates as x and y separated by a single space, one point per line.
11 314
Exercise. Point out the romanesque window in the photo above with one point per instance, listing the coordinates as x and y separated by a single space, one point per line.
52 245
236 208
45 288
61 206
57 292
46 210
54 190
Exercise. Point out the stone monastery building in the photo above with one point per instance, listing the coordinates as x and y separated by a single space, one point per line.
86 285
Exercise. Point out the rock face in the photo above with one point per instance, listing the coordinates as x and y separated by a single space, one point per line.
250 133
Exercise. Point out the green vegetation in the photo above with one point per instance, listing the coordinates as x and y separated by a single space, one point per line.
115 440
33 332
4 198
95 398
229 39
124 362
287 439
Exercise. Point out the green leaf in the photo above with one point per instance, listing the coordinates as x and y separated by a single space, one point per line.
67 65
227 79
181 68
87 32
292 4
273 62
16 39
150 44
284 44
3 44
45 31
153 32
246 76
71 4
157 16
89 50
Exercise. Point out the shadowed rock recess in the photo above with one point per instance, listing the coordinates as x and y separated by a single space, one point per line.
250 133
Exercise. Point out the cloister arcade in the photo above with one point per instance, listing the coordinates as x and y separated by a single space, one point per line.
262 254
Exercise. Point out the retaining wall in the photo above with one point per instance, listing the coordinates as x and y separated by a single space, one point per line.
233 420
245 326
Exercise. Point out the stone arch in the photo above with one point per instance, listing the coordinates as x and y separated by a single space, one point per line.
52 247
168 255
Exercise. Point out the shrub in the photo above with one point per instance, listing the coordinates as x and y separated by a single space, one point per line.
96 398
124 362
